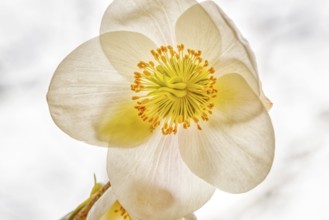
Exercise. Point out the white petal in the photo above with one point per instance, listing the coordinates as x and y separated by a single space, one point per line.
123 127
102 205
152 181
238 67
207 28
235 149
233 45
235 101
196 30
155 19
126 49
84 86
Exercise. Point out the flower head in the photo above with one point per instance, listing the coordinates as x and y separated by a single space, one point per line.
178 88
172 89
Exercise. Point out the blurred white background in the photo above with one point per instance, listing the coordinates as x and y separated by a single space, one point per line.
44 173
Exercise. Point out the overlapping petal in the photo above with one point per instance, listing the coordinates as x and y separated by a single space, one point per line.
233 45
152 181
235 149
123 127
196 30
236 66
87 96
155 19
84 86
235 50
206 27
125 50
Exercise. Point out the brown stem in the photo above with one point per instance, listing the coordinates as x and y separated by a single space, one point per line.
82 214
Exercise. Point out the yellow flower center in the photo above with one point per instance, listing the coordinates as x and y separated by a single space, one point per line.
177 88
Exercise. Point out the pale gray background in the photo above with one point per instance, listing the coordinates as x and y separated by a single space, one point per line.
44 173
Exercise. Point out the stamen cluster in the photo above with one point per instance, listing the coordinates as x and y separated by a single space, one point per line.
177 87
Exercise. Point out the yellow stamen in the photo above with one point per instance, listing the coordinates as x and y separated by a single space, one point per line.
177 87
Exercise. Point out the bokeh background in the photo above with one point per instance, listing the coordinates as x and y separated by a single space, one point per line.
44 173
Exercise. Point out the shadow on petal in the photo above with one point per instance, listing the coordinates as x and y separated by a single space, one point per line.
151 198
235 101
123 128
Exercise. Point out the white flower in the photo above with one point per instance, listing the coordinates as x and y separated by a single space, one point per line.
172 88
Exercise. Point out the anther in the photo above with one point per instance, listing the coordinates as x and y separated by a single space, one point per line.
211 70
